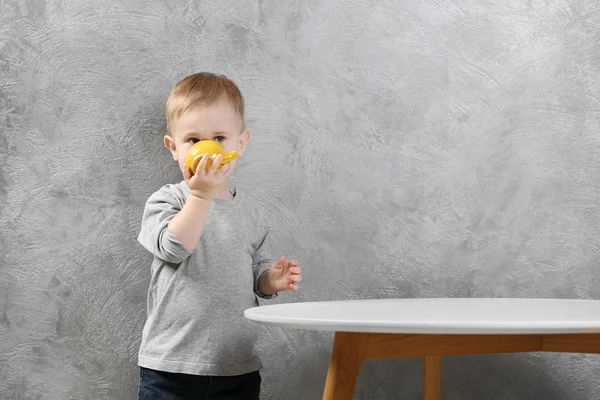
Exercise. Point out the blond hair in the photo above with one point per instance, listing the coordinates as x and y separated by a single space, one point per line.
203 88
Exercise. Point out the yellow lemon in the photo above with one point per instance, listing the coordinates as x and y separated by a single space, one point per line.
213 149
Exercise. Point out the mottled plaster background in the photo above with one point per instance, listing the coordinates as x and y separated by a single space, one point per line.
405 148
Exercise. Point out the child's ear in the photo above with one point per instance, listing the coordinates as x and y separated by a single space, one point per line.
243 141
170 145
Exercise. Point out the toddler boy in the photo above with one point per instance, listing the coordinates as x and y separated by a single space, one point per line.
210 258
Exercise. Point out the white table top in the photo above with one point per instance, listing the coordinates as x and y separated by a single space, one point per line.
436 316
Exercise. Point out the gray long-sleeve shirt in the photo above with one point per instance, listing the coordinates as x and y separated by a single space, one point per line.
196 299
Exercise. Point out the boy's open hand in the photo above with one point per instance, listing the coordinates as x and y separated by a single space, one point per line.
206 183
283 275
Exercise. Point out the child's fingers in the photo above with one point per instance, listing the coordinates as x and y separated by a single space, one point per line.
200 169
295 270
187 174
229 170
215 165
279 263
223 172
295 278
294 286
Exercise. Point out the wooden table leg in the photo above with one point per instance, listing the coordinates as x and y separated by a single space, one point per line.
350 350
432 377
349 353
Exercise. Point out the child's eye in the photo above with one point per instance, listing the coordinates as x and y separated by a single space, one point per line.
193 141
219 139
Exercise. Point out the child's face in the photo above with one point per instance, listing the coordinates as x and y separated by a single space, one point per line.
217 122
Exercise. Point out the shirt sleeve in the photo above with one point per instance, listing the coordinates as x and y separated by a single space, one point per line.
261 262
160 209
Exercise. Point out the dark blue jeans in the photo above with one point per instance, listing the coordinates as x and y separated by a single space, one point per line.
159 385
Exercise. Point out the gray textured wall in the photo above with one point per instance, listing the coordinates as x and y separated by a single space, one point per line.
414 148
